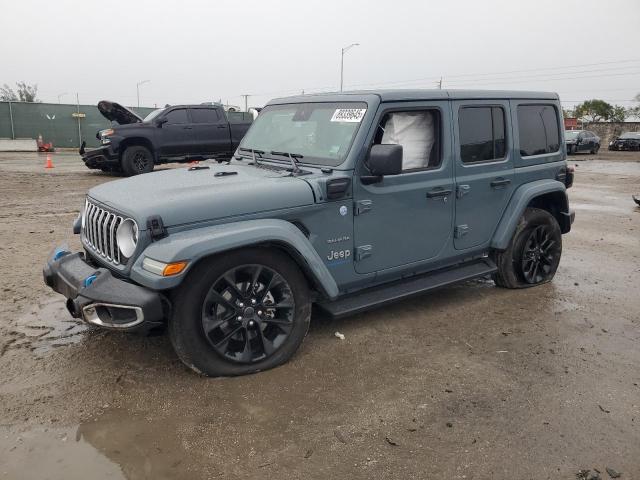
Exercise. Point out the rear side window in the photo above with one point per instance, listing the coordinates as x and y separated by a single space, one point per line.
482 134
539 129
204 115
177 116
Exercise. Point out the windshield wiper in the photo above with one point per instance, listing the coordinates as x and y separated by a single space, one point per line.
253 153
293 157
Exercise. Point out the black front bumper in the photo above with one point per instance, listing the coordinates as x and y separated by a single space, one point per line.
101 299
101 157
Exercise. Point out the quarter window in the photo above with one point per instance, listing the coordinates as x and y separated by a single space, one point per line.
177 116
539 131
204 115
482 134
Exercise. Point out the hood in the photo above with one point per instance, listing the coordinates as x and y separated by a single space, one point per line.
182 196
115 112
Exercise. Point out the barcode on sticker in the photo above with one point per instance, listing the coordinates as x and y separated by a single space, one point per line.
348 115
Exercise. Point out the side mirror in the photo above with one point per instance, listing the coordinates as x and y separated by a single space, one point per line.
384 160
161 122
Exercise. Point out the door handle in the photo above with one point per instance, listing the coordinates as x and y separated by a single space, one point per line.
187 128
500 182
438 192
222 126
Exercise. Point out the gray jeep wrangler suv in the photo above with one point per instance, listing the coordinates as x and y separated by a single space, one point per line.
345 201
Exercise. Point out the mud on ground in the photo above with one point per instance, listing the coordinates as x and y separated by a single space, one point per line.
469 382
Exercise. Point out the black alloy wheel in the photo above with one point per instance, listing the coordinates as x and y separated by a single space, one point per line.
248 313
539 256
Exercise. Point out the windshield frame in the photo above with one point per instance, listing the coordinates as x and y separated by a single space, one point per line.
572 134
307 160
153 115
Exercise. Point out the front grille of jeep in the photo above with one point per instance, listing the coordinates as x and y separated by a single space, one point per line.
99 232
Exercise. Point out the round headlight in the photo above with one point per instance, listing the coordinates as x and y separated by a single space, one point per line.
127 237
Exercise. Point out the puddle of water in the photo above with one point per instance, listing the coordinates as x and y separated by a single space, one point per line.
115 446
55 454
601 208
47 325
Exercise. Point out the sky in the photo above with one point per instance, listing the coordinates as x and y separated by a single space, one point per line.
197 51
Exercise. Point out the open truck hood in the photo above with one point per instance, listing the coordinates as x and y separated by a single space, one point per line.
185 196
113 111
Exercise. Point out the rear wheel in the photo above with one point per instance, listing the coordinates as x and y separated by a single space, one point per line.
595 149
136 160
240 313
533 254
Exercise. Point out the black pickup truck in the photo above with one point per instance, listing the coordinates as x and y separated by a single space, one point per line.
179 133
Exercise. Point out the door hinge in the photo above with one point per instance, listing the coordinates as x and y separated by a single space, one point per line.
461 231
363 252
362 206
462 190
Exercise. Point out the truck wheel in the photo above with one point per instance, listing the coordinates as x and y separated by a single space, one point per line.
240 313
533 254
136 160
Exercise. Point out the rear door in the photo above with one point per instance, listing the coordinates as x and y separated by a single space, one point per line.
210 131
484 169
175 136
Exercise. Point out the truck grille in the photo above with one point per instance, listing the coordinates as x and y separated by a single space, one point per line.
99 232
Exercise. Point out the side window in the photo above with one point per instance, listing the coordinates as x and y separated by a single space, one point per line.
539 129
177 116
418 131
204 115
482 134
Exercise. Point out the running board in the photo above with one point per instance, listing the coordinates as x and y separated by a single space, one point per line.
398 290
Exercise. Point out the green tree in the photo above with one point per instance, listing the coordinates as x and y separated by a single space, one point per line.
618 114
26 93
568 113
594 110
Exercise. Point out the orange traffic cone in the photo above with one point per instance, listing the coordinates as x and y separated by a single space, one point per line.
49 163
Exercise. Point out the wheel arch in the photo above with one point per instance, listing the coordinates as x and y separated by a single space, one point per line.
549 195
137 141
203 243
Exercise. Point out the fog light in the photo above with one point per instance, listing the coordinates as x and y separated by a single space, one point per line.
163 269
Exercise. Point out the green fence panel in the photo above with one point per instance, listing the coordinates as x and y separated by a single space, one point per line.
57 123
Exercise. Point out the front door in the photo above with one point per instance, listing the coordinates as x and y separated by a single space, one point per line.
176 134
484 169
407 218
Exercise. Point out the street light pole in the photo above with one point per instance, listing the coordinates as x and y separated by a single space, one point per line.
344 50
138 89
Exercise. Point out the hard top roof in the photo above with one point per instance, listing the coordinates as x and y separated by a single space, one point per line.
408 95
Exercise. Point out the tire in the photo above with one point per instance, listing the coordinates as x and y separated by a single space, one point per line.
595 149
573 149
216 329
136 160
530 246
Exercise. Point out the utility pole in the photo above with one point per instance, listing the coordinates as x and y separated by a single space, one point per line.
440 84
138 89
246 102
344 50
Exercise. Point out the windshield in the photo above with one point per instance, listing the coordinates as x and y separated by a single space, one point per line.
571 134
153 115
633 135
321 132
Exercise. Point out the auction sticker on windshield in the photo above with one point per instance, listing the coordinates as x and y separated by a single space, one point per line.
348 115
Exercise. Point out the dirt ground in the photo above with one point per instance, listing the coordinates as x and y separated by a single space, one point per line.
470 382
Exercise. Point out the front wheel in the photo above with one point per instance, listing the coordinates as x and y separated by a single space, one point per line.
136 160
240 313
533 255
